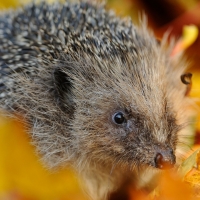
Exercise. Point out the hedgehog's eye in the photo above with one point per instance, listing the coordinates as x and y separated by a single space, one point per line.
119 118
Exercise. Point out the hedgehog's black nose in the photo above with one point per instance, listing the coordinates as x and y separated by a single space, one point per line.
165 159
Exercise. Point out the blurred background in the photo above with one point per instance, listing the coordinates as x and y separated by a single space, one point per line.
22 176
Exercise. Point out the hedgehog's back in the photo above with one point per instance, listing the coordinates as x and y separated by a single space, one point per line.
42 33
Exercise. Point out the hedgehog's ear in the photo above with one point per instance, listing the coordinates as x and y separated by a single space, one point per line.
187 80
63 86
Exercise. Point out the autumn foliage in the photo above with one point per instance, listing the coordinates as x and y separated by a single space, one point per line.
22 175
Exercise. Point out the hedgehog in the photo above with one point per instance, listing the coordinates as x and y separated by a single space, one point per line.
97 92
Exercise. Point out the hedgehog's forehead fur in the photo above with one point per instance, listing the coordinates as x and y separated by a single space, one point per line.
75 70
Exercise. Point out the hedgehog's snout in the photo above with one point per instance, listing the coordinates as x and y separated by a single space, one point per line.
164 158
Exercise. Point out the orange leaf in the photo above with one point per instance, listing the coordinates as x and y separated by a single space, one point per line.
21 171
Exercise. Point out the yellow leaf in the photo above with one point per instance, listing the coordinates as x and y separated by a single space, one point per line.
22 172
188 164
190 34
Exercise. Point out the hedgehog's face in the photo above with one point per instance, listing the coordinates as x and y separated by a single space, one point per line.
141 142
110 133
112 126
126 115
